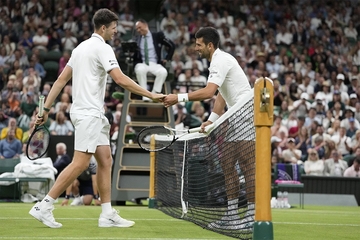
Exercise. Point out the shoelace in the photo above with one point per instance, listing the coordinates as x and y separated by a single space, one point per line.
49 211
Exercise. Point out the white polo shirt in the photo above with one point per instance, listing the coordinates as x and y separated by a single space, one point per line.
226 72
90 61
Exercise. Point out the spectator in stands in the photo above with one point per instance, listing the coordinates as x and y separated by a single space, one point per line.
65 98
10 147
343 142
69 42
294 131
61 126
63 61
37 66
40 40
354 170
291 154
26 41
54 43
302 142
148 58
275 149
320 132
62 159
350 132
314 165
302 105
335 166
7 92
12 126
29 105
3 120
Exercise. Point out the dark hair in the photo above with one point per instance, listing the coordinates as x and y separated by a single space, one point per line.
142 21
209 34
104 17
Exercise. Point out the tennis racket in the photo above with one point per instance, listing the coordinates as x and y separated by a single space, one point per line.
164 136
39 139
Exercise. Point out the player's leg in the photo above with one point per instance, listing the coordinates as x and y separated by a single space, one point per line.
160 76
109 217
246 161
42 211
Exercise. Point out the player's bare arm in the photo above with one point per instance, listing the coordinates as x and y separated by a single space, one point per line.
55 90
198 95
219 106
124 81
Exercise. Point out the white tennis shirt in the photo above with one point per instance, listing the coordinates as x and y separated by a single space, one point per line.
226 72
90 61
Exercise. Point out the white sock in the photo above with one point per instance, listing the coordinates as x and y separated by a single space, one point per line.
106 208
48 201
233 207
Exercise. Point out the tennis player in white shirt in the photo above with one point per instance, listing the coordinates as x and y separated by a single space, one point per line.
88 67
226 76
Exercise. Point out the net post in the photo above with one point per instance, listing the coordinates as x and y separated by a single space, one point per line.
263 120
152 201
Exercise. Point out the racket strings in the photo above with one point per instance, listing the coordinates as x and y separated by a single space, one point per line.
164 137
39 143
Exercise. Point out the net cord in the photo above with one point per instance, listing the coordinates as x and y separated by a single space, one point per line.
240 103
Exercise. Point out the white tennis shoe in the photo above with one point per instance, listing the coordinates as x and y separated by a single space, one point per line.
114 220
77 201
44 215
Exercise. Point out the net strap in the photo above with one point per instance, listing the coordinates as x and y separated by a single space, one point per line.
183 204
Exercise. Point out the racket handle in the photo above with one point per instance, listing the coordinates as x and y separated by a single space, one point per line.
41 105
208 129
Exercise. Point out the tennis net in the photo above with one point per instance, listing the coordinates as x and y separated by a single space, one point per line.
210 179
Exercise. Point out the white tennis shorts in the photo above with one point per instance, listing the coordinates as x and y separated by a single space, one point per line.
90 132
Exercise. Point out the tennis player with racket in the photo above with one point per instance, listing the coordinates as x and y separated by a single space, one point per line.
88 67
226 76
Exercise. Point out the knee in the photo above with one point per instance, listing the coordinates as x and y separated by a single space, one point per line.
162 73
140 69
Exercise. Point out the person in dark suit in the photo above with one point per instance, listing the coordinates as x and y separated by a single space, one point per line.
62 159
148 58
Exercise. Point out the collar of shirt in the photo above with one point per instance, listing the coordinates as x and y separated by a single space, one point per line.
97 36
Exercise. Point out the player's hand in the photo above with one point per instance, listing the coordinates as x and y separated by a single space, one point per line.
97 202
41 120
203 125
65 202
157 97
170 100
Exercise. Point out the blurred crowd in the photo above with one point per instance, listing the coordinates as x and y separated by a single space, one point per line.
311 50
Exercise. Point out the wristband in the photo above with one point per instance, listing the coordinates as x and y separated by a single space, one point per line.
96 197
213 117
67 196
183 97
46 109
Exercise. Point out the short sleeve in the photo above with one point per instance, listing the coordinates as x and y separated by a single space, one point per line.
107 58
218 71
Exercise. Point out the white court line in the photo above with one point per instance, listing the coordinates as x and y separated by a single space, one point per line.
181 220
107 238
319 224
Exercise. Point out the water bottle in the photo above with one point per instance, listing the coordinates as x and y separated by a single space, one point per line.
273 202
286 200
280 199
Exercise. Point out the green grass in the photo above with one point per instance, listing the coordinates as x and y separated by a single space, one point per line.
313 222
